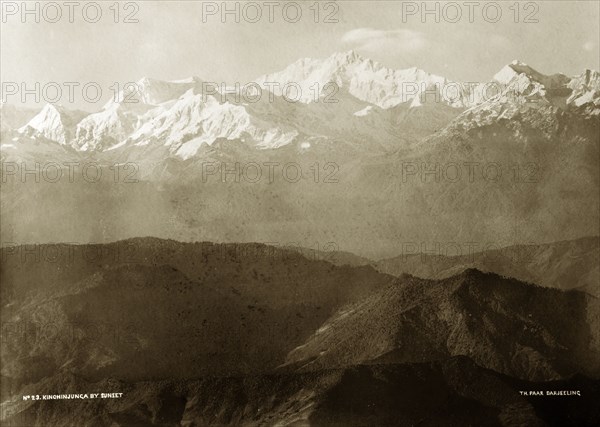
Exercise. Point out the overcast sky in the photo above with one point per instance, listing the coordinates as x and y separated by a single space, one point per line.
171 41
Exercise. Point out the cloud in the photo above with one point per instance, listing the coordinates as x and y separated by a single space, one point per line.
589 46
385 40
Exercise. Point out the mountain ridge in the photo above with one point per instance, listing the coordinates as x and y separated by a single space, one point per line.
416 319
121 121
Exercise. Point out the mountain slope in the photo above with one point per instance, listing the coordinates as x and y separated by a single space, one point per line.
511 327
564 265
241 308
201 331
451 392
55 123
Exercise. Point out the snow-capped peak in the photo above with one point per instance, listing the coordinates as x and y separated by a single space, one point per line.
151 91
517 68
347 58
510 71
54 122
364 79
586 90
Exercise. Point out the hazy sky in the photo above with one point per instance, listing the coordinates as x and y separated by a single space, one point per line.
171 41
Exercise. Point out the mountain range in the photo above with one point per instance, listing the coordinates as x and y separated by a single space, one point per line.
344 96
566 265
257 335
509 161
366 247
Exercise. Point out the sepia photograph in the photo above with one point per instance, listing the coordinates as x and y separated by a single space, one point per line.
332 213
